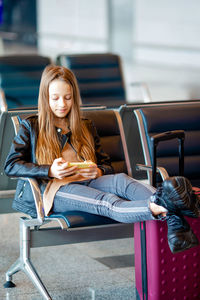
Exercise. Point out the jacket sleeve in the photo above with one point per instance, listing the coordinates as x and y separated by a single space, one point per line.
103 159
20 160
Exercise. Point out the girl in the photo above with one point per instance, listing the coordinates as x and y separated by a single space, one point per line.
46 145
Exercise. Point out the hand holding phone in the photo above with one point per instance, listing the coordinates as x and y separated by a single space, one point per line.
60 169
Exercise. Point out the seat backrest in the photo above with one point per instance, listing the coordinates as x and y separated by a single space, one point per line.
110 129
132 133
100 77
107 122
7 133
20 78
185 116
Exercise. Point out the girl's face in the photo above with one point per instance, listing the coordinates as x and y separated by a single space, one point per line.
60 98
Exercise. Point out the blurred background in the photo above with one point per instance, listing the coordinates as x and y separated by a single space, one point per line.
158 41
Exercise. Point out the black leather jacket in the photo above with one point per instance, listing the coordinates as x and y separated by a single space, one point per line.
21 162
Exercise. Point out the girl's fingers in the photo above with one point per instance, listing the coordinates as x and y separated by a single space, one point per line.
88 173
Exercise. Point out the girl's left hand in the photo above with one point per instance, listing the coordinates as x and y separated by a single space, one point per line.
92 172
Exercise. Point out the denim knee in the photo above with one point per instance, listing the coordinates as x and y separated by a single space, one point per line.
121 178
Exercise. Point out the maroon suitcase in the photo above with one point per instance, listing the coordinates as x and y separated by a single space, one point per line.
159 274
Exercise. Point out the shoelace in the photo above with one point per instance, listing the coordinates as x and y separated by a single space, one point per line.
158 195
177 222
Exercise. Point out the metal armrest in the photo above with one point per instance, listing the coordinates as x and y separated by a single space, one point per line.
162 171
38 202
41 219
164 136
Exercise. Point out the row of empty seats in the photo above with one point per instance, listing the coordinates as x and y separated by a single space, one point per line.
100 78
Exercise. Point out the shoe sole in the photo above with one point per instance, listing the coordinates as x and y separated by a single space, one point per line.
188 238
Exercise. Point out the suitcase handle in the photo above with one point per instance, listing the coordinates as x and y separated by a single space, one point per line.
168 135
165 136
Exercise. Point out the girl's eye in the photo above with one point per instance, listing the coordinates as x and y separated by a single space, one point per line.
54 98
68 97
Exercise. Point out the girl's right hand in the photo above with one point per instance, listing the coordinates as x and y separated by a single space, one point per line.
59 169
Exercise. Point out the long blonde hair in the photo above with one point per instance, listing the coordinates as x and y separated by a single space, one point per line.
48 145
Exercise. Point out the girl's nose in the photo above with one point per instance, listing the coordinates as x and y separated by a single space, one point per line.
61 101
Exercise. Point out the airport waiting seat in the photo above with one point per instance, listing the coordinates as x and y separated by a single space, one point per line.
100 77
20 79
167 118
73 227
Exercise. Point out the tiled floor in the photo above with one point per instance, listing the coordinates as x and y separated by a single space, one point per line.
97 270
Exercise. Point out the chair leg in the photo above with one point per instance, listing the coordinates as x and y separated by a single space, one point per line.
12 270
34 277
24 264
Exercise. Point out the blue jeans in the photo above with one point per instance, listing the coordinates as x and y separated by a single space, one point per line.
118 197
